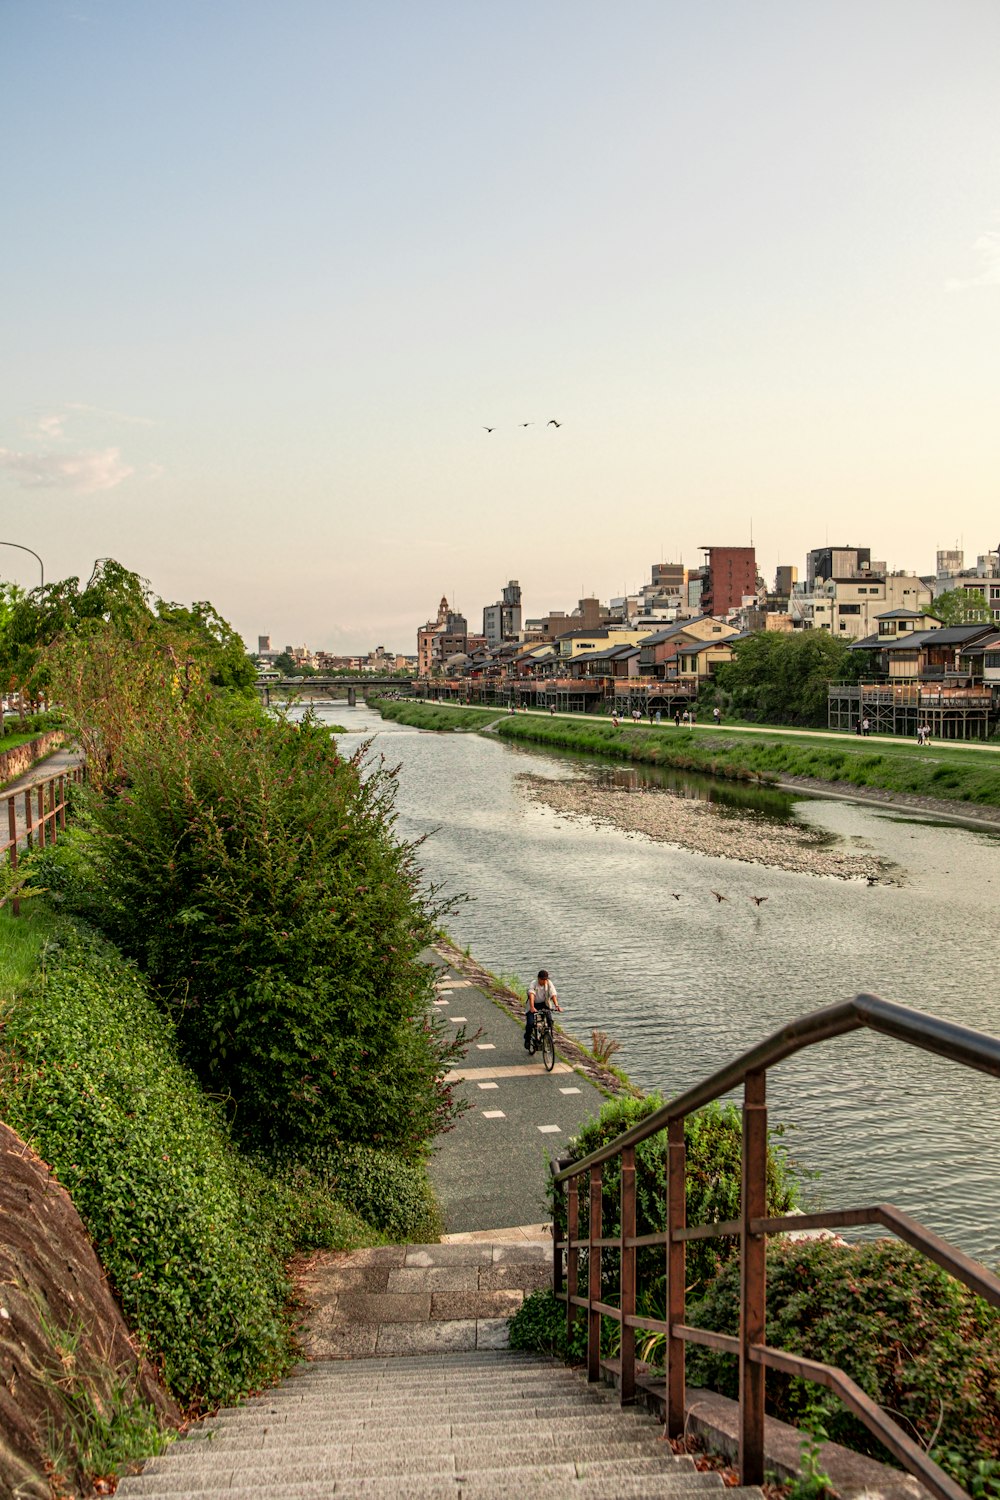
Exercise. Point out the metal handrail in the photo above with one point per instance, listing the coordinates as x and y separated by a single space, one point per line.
973 1049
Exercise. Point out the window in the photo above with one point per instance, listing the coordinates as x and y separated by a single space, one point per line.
848 609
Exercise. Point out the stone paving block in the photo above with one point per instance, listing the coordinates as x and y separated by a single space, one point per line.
371 1255
339 1340
345 1277
475 1304
435 1279
384 1307
492 1333
448 1255
425 1338
521 1251
525 1276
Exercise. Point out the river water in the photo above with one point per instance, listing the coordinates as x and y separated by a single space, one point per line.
686 985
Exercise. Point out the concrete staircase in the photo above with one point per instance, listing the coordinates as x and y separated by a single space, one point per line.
486 1425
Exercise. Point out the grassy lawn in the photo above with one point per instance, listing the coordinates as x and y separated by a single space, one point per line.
959 772
11 741
21 941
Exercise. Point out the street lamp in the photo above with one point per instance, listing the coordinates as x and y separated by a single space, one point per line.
34 554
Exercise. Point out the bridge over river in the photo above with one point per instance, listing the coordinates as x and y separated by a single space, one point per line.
331 687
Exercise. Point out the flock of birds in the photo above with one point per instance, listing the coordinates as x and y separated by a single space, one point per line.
550 423
758 901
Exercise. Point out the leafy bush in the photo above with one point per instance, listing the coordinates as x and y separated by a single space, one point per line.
253 874
192 1235
914 1339
386 1190
540 1326
713 1138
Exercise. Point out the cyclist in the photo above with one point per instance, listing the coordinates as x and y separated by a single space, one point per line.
541 996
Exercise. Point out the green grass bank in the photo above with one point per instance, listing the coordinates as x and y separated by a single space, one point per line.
958 773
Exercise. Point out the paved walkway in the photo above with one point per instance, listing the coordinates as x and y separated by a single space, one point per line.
708 727
56 764
491 1170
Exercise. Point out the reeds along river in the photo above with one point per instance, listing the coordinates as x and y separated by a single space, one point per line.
686 984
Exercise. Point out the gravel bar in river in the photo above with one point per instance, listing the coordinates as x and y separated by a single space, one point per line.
702 827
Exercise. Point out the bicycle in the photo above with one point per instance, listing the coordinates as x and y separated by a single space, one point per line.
543 1036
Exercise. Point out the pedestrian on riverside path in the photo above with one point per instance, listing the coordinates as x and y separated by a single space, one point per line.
677 718
866 726
541 996
717 716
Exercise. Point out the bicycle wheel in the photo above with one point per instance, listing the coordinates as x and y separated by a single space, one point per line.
548 1050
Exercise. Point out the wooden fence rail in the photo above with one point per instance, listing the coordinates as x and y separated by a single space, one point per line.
44 814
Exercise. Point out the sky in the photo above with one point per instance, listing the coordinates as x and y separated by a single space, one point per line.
271 270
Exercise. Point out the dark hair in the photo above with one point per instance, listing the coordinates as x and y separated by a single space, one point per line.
543 973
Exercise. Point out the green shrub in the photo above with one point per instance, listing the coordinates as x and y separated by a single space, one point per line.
539 1325
386 1190
253 874
914 1339
193 1236
713 1139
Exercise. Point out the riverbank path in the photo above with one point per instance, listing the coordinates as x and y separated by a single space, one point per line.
59 763
975 747
490 1171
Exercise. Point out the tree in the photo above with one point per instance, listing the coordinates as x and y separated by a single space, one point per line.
783 678
962 607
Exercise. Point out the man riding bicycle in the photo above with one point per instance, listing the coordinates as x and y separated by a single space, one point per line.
541 997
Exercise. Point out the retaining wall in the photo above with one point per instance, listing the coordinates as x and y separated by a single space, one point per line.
21 758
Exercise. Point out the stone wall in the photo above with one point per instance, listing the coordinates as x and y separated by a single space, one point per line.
59 1326
14 763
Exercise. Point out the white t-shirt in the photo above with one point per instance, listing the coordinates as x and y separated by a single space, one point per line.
544 992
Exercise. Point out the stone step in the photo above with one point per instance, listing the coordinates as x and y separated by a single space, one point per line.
453 1416
542 1480
462 1453
326 1422
553 1483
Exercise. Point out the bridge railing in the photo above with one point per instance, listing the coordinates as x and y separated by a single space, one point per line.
969 1048
44 806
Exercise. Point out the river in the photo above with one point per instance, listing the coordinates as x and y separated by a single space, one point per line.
685 985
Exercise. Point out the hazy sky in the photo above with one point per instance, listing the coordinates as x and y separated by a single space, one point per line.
271 268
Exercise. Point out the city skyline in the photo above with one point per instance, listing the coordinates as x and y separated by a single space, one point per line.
274 273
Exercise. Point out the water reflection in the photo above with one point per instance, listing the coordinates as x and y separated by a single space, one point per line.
686 984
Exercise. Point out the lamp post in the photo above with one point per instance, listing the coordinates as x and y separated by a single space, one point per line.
22 548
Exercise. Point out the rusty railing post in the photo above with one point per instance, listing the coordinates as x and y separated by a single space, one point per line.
594 1230
41 816
28 819
53 812
62 801
627 1274
753 1274
572 1253
12 830
676 1269
557 1255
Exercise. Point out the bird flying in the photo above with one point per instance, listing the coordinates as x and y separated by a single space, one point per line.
488 429
719 896
551 423
676 895
525 424
758 900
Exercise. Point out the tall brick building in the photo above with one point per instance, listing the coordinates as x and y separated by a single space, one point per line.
728 575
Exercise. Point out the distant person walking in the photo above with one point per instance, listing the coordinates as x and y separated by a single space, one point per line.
866 726
717 715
